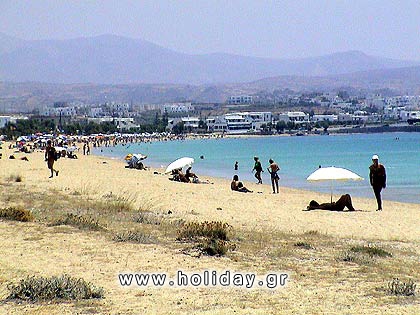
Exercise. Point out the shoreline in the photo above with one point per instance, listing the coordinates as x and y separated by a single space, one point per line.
268 232
396 193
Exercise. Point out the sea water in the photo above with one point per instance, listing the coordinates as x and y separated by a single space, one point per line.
297 157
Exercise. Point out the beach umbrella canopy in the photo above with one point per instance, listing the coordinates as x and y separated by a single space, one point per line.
333 174
180 163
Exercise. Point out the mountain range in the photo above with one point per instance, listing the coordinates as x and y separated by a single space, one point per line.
110 59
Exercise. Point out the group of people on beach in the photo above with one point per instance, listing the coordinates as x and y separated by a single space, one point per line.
272 169
377 178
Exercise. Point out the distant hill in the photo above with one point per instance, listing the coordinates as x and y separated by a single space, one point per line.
28 96
401 80
110 59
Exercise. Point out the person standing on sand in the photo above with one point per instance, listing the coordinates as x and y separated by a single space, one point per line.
273 169
377 176
50 156
258 169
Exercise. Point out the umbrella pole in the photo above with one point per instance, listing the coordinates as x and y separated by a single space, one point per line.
331 189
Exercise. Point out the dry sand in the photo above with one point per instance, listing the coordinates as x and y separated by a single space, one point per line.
319 284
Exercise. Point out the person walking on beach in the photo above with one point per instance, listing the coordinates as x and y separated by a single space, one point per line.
258 169
50 156
273 169
377 176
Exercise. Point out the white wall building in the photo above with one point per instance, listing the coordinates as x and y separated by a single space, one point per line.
68 111
330 118
4 120
189 122
295 117
240 99
240 122
406 115
172 108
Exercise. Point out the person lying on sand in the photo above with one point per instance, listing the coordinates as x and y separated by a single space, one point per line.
339 205
236 185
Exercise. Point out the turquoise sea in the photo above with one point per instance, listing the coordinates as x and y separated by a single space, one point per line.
298 157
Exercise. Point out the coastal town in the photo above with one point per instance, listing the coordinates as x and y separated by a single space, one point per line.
302 114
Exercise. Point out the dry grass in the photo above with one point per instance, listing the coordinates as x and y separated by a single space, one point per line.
17 178
310 255
17 214
62 287
81 222
398 287
134 237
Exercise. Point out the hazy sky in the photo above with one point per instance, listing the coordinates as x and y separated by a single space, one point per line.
278 29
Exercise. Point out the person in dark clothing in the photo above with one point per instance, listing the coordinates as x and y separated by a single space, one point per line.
258 169
273 169
339 205
236 185
236 166
50 157
189 174
377 176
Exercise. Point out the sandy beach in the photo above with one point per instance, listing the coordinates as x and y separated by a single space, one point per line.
265 230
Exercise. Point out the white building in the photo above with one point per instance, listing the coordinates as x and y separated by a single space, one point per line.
345 117
406 115
68 111
240 122
4 120
96 112
295 117
125 124
330 118
191 123
240 99
172 108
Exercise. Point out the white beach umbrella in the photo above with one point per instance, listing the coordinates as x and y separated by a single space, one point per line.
180 163
333 174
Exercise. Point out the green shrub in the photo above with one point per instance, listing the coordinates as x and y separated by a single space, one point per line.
17 214
62 287
397 287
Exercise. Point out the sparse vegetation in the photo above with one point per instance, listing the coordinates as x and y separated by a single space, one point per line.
215 247
370 250
211 237
61 287
79 221
17 214
134 237
212 230
148 218
303 245
17 178
398 287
